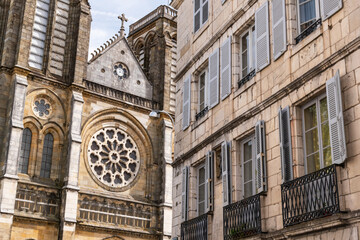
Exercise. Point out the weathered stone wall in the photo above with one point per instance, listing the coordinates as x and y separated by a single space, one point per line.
293 79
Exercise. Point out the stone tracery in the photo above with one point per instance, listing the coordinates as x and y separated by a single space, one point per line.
113 157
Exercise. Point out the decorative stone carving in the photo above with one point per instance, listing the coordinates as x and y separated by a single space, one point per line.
42 108
113 158
121 71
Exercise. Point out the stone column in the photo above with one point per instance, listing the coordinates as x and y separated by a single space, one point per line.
71 188
166 206
8 182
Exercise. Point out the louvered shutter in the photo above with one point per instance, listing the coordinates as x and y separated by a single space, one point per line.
262 37
186 102
285 144
226 172
260 161
214 79
36 55
278 27
197 14
225 68
329 7
336 119
184 193
209 171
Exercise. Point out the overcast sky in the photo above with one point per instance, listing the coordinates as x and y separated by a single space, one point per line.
105 12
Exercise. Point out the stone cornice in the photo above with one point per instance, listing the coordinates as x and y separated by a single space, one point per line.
334 58
215 38
125 99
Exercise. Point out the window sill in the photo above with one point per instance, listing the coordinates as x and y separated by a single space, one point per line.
244 86
202 29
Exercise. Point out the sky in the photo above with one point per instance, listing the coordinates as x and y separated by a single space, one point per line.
105 22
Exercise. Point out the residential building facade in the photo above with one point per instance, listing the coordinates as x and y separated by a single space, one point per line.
80 156
267 140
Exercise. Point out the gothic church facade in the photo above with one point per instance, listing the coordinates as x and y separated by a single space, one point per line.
80 156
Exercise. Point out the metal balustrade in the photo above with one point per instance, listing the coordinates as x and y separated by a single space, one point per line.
308 31
195 229
243 218
246 78
309 197
202 113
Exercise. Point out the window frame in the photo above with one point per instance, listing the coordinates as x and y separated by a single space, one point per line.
206 72
253 179
317 13
202 165
251 57
44 157
315 101
200 10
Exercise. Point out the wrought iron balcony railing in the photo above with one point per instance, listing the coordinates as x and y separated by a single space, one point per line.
243 218
309 197
308 31
246 78
195 229
202 113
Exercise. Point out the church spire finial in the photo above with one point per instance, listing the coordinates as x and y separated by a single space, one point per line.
123 20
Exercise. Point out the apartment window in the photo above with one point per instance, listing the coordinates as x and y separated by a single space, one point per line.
202 90
201 13
47 156
316 135
247 51
248 167
201 193
25 151
308 13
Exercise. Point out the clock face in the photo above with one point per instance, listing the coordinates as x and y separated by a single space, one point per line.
121 71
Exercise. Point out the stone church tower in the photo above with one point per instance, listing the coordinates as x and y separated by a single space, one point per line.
80 156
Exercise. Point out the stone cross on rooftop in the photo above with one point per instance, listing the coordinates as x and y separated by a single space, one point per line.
123 20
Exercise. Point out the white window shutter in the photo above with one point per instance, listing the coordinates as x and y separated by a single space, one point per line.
225 68
214 79
336 119
209 171
184 193
260 161
278 28
262 37
285 144
329 7
186 102
226 172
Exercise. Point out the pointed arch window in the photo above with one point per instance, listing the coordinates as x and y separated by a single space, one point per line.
47 156
25 151
140 53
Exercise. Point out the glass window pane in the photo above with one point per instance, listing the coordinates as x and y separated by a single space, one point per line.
248 171
201 208
205 13
197 21
313 163
197 5
327 156
325 135
202 193
312 141
248 190
25 151
47 156
201 175
323 110
310 117
247 151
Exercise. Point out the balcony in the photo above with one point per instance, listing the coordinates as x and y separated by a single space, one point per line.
310 197
242 219
195 229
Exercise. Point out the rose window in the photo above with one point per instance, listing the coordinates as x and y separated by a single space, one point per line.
42 108
113 157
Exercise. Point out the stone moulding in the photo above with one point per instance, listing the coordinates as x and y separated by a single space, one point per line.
333 59
120 95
